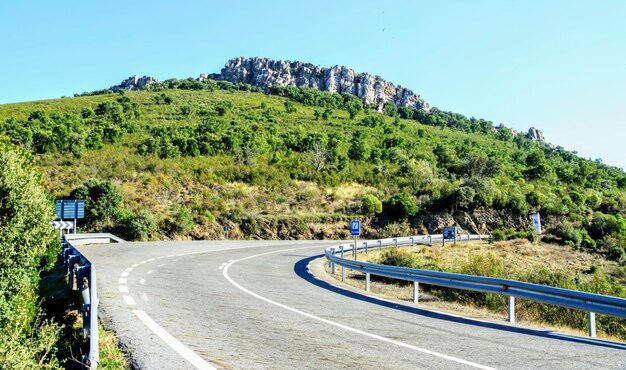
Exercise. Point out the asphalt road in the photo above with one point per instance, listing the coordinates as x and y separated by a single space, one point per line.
255 304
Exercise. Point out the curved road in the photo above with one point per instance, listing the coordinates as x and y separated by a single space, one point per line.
255 304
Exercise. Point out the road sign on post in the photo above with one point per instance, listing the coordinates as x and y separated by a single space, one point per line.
355 230
67 209
449 233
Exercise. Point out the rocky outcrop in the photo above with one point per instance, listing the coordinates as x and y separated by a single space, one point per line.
534 134
265 73
135 83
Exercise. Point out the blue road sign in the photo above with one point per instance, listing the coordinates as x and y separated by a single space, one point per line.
67 209
355 228
449 232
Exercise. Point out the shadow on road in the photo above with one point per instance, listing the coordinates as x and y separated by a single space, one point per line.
300 269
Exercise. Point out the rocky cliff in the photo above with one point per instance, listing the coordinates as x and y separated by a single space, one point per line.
134 83
265 73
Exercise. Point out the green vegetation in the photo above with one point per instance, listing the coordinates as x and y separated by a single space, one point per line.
27 246
228 154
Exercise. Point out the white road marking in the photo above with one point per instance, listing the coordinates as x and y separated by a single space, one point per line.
142 281
123 288
130 269
129 300
135 265
161 265
149 272
124 274
122 280
174 343
336 324
151 259
142 262
144 297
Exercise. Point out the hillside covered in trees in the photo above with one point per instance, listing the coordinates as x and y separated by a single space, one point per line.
183 158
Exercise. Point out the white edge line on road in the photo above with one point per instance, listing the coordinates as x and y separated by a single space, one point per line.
177 346
342 326
129 300
123 288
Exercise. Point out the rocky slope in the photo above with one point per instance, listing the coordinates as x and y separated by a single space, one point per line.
265 73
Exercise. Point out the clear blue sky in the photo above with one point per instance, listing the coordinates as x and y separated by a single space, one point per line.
557 65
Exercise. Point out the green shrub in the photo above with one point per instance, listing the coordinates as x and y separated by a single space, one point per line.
27 242
182 220
102 200
371 205
401 206
399 257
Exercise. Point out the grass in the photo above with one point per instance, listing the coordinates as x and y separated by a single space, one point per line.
61 305
517 260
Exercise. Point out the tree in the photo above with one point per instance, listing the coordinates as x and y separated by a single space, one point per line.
102 200
27 246
401 206
371 205
357 147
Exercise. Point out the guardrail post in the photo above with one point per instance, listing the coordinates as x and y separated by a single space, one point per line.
341 251
94 349
412 241
396 241
343 273
416 291
591 324
332 264
380 244
511 309
367 281
430 240
366 248
469 237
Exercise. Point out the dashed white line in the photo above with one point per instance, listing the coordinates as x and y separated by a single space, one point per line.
336 324
144 297
174 343
123 288
122 280
135 265
161 265
129 300
130 269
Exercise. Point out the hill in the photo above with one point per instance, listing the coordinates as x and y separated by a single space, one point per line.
184 158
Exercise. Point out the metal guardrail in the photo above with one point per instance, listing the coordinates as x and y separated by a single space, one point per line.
592 303
81 277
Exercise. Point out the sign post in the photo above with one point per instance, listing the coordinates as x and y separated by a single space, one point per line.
449 233
70 209
355 230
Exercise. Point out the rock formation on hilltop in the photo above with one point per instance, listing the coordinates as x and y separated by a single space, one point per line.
134 83
535 134
265 73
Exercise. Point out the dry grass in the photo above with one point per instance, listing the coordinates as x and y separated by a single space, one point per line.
518 256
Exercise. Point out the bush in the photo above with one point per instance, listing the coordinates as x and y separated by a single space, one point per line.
371 205
182 221
398 257
27 243
136 226
102 200
401 206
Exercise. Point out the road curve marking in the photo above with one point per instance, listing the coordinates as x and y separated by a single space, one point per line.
336 324
174 343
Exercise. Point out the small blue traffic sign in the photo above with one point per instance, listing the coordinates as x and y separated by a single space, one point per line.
355 228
